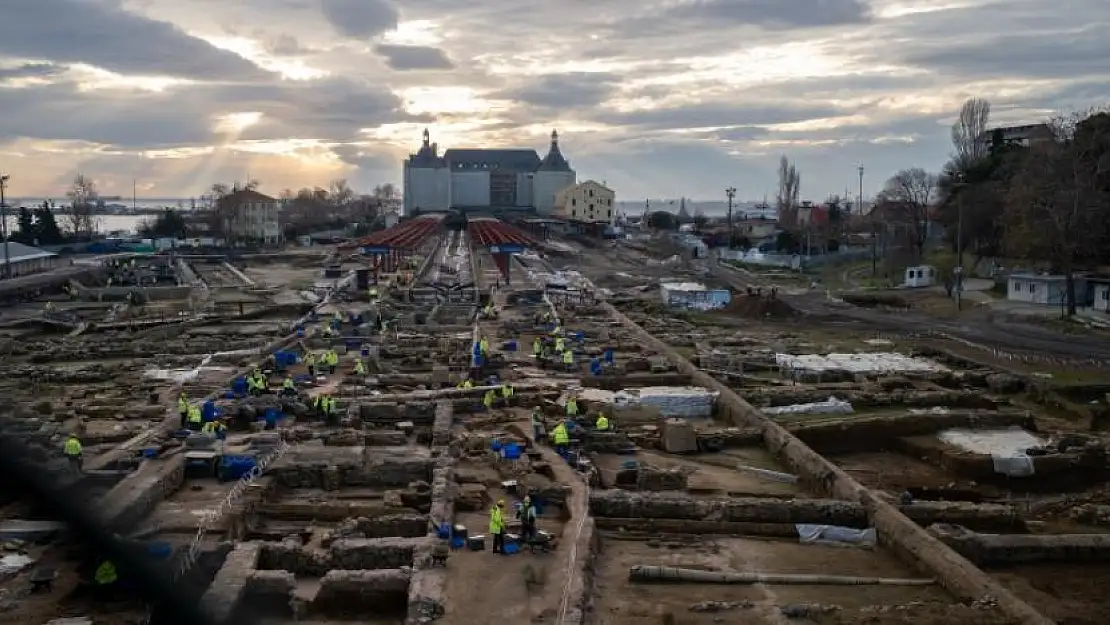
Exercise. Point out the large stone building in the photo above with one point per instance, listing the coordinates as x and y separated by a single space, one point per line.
480 179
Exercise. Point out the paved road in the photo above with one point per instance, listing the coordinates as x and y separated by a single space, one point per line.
1007 335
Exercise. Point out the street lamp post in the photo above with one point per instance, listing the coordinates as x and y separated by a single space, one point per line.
4 220
731 193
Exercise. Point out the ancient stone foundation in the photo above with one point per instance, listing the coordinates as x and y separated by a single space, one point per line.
428 588
137 494
1011 549
896 531
350 592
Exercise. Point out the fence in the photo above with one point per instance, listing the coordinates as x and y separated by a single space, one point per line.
1034 358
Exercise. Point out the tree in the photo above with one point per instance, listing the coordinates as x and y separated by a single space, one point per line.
168 224
786 199
906 202
46 225
969 133
340 193
25 233
83 201
1057 205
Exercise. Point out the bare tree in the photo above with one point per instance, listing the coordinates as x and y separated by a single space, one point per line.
969 133
81 219
340 193
786 199
906 203
1056 206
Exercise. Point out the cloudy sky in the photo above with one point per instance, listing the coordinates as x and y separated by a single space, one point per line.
660 98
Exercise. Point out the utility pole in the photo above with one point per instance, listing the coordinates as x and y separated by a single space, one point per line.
874 228
4 220
731 193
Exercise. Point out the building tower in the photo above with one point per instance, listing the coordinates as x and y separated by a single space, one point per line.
427 181
553 175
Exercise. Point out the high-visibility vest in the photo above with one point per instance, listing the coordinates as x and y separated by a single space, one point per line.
72 446
568 357
602 423
194 414
106 573
496 520
560 435
288 383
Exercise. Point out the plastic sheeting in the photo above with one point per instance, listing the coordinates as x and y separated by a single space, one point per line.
672 401
880 362
1007 447
835 535
831 405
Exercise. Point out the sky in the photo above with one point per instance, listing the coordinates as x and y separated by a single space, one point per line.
656 98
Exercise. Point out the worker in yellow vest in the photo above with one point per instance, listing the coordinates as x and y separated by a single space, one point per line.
195 420
183 408
497 526
488 399
360 369
73 449
602 423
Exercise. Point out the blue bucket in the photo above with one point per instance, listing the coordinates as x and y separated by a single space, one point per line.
510 548
364 352
443 532
510 451
150 452
159 550
495 445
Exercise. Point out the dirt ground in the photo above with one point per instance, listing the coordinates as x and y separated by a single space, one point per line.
487 588
619 602
1074 594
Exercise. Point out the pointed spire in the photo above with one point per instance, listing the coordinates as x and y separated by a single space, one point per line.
427 138
554 160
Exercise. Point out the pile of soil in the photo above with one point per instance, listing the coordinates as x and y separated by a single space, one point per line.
756 307
876 300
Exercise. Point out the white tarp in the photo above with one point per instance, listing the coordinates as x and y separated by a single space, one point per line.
834 534
672 401
1006 446
831 405
879 362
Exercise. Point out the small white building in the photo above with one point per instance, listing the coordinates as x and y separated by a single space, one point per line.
920 276
1046 289
392 218
1099 289
25 259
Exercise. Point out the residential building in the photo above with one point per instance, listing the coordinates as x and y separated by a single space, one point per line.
755 230
1047 289
250 216
587 202
25 260
484 178
1026 135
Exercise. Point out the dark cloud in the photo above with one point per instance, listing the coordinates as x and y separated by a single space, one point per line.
766 14
361 19
713 115
30 70
364 158
1047 55
414 58
104 35
61 112
331 110
563 91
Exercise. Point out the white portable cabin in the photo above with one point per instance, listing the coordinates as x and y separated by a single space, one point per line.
920 276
